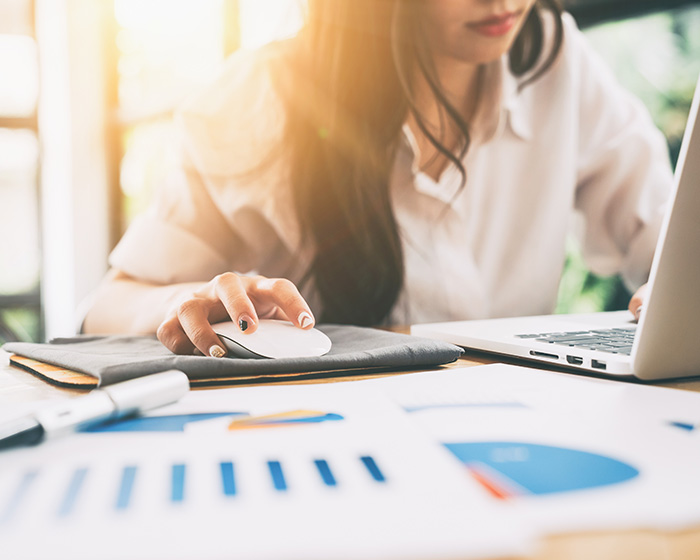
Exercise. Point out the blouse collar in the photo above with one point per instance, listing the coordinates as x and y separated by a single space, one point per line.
516 110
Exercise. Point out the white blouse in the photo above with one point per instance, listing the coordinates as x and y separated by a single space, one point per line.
571 152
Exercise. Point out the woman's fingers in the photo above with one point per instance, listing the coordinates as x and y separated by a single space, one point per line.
193 315
637 302
285 295
231 291
172 336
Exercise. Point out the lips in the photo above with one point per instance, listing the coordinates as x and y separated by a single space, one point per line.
495 26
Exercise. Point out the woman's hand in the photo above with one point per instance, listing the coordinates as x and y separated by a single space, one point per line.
243 299
637 301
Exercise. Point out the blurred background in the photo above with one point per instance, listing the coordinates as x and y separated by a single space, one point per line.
87 90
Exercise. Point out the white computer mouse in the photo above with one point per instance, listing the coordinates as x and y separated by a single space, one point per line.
272 339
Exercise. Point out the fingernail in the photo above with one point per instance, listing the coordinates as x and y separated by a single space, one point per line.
305 320
217 351
244 322
638 313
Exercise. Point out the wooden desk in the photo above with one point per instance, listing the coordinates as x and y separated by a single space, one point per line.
19 386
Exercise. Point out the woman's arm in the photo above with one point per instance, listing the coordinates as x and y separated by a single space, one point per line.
182 314
123 305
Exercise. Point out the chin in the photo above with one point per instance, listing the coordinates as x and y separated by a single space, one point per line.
478 50
484 56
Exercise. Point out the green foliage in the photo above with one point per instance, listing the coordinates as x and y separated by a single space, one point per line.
20 324
581 291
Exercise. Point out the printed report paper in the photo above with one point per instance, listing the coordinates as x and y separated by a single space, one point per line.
303 472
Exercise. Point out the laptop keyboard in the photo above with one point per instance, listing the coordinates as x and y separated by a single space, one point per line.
613 341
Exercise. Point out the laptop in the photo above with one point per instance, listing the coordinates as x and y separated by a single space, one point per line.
664 344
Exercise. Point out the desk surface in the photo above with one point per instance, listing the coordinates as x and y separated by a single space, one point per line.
19 386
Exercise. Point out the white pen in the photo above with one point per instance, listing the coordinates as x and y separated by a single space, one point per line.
109 403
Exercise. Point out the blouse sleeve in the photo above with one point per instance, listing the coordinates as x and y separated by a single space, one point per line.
624 174
222 208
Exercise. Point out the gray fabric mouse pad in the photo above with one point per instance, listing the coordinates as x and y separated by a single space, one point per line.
116 358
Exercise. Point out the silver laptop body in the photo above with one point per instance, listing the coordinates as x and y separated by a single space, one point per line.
666 342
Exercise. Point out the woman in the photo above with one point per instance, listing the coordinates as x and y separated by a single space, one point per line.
399 161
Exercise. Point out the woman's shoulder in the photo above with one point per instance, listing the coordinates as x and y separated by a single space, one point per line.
234 121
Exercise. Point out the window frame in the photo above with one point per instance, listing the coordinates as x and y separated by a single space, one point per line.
29 299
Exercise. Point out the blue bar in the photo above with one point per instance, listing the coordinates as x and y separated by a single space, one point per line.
177 493
228 479
17 497
373 469
325 472
71 497
277 475
125 488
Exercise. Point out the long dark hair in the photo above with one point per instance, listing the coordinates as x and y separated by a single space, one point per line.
351 95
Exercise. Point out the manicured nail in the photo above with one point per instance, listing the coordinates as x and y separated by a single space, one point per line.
244 322
305 320
217 351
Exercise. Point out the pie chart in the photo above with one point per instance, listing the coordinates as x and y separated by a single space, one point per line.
512 469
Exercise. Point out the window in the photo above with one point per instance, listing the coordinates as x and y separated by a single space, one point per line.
20 315
112 72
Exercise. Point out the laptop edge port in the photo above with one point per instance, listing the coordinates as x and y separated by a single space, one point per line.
575 360
543 355
597 364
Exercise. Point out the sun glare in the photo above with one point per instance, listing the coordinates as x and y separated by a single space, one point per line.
169 49
263 21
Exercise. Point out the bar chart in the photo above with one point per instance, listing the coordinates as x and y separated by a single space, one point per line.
128 483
